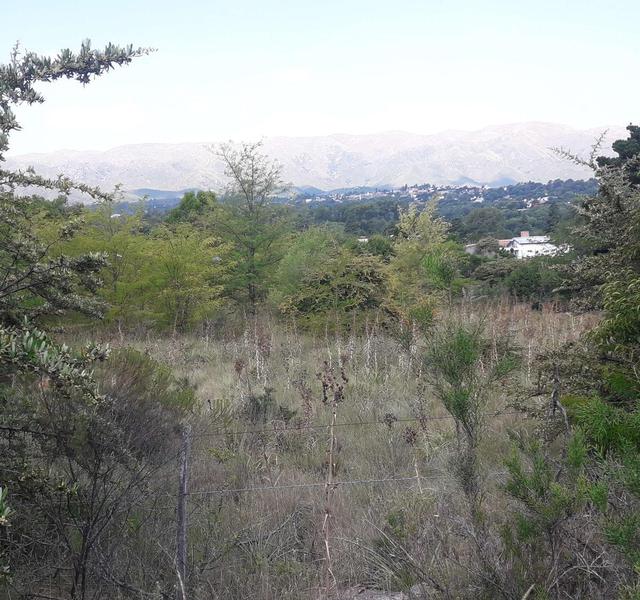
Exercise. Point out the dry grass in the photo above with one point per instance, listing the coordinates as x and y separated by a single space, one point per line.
266 544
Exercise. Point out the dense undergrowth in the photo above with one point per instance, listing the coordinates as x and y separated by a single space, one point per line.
259 455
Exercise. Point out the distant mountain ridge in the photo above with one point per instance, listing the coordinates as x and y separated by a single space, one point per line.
496 155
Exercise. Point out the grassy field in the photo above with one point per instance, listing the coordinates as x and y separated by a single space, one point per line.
259 458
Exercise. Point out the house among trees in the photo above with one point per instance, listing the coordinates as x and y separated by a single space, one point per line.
524 246
528 246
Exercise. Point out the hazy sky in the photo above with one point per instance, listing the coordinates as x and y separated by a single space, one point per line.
243 69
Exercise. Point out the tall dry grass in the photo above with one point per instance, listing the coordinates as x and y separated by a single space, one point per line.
259 391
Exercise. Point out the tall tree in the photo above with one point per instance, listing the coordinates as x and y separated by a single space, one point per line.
33 283
46 389
423 265
608 226
628 151
250 220
590 490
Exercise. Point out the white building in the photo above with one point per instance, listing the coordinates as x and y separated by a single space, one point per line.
528 246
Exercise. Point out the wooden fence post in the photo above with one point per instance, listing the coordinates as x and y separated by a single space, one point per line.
181 534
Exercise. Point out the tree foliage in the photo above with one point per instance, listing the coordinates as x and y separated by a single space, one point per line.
250 221
193 206
74 461
424 266
590 489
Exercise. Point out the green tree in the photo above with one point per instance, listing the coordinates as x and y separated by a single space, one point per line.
337 289
488 246
188 275
380 245
533 279
125 276
193 206
423 267
172 277
307 253
37 282
250 221
606 232
484 222
628 159
327 279
580 480
464 367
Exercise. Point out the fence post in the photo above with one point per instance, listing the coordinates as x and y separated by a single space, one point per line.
181 534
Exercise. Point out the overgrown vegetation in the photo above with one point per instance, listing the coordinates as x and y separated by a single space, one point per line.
390 413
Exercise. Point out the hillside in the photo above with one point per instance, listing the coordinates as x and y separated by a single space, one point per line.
494 156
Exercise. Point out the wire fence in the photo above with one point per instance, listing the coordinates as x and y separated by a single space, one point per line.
333 484
353 482
302 427
389 422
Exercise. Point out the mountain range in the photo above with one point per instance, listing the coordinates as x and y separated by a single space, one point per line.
496 155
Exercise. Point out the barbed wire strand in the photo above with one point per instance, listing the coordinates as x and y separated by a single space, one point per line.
263 488
389 423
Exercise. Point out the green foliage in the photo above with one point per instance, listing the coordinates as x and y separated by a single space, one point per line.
307 253
19 76
541 208
28 351
625 534
607 234
628 158
455 356
609 428
488 246
37 280
556 504
341 291
605 405
484 222
324 280
423 313
378 216
547 501
262 408
424 267
620 328
381 246
533 279
495 272
141 383
421 226
442 266
79 449
189 276
572 402
463 368
168 278
80 471
125 273
193 206
250 222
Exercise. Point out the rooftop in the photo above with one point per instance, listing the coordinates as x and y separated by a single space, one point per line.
531 239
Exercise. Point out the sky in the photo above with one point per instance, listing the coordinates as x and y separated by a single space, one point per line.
245 69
